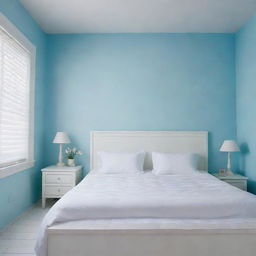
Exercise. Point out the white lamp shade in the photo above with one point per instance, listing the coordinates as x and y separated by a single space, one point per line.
229 146
61 138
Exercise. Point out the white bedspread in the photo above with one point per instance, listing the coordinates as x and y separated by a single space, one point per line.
146 196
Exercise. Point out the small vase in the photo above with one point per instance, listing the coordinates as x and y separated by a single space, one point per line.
71 162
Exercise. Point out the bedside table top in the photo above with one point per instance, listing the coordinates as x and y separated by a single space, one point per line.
230 177
55 168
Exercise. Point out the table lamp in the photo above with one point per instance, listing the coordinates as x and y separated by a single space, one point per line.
61 138
229 146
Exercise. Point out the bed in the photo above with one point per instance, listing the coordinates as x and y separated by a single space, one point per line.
146 215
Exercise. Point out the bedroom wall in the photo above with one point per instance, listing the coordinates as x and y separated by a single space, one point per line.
246 99
20 191
140 82
135 82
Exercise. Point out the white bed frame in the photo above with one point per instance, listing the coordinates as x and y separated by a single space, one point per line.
150 141
74 241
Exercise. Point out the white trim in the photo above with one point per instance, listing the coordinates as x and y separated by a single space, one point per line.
25 43
149 141
16 34
32 107
12 169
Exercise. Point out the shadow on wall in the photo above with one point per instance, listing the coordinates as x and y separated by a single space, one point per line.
252 186
244 148
245 151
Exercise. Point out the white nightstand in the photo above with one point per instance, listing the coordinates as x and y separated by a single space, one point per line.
236 180
56 181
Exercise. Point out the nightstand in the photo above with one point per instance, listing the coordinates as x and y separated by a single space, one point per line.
236 180
56 181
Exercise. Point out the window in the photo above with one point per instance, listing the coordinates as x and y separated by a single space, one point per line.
17 56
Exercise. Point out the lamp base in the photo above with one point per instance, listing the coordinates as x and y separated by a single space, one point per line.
60 164
229 173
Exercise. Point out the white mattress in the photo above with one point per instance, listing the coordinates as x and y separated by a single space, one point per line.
146 198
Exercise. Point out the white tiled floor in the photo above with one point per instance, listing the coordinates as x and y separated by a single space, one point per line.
18 238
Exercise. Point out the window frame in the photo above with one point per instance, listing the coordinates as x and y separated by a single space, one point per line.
14 32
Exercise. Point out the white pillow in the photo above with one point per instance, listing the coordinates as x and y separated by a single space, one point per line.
164 163
121 162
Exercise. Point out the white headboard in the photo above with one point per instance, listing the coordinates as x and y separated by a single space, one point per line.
149 141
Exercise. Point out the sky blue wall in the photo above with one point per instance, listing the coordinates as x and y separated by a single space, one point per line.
122 82
140 82
246 99
19 191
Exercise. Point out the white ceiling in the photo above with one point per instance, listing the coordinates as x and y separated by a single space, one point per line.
140 16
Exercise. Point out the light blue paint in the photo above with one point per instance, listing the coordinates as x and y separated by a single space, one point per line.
19 191
122 82
141 82
246 99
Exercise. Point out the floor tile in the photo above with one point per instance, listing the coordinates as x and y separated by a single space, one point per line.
18 238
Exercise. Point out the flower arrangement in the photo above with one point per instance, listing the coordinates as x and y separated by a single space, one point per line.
72 152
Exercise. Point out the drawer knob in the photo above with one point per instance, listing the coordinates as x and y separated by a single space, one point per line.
58 178
58 190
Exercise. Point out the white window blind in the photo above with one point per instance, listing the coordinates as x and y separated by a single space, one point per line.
15 66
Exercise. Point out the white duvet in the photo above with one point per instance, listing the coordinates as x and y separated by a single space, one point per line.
197 196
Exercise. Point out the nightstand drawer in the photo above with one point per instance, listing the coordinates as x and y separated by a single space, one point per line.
235 180
58 178
56 190
238 184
